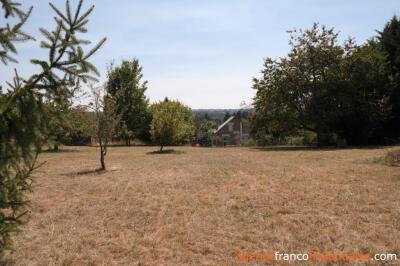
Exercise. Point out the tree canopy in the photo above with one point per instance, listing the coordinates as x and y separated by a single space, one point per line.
173 123
389 40
335 90
126 86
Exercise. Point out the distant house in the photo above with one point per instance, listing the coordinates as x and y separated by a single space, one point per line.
231 132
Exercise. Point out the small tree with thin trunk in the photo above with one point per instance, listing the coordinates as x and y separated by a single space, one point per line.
105 122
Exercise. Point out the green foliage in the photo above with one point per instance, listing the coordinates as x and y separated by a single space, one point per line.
80 124
204 130
250 142
295 141
57 125
362 103
323 87
172 123
11 34
389 40
226 116
20 141
216 140
268 140
126 86
309 138
66 124
302 138
22 109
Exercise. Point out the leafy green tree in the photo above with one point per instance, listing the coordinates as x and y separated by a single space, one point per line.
23 129
323 87
389 40
361 96
204 130
66 124
172 123
126 86
57 124
80 123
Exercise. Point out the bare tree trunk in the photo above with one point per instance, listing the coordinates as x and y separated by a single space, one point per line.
103 165
161 148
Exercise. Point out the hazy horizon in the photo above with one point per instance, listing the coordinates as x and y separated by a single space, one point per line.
203 53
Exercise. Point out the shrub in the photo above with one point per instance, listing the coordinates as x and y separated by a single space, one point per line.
392 158
249 142
296 141
309 138
268 140
216 140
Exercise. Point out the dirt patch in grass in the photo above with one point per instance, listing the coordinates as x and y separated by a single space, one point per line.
206 205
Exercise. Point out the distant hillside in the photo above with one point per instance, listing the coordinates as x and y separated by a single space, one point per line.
214 113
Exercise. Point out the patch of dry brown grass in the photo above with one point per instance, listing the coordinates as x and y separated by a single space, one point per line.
202 206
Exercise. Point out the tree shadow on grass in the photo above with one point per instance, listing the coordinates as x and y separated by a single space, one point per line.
314 148
168 151
284 148
58 151
87 172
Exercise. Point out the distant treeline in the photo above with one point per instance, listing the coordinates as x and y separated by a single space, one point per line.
218 114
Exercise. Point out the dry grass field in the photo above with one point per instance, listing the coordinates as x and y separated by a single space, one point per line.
201 206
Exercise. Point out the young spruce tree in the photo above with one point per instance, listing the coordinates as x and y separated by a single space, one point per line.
22 128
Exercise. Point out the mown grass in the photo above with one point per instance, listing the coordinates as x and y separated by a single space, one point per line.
201 206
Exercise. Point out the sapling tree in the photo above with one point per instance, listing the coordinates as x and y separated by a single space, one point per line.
106 120
23 129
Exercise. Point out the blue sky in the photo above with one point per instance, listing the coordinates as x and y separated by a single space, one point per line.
204 52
